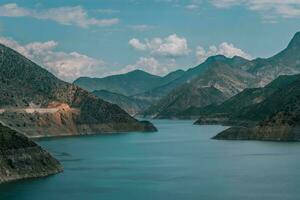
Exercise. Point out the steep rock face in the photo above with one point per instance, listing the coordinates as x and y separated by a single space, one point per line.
25 85
21 158
129 104
221 81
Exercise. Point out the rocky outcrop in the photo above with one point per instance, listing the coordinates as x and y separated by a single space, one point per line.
22 158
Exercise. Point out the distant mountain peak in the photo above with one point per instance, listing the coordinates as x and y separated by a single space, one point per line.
138 71
295 42
239 58
216 58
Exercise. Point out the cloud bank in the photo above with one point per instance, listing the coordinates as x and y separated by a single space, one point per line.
76 16
171 46
67 66
226 49
269 9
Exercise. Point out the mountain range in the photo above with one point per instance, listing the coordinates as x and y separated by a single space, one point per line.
181 94
221 80
229 77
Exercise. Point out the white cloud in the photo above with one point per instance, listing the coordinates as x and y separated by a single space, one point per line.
269 9
66 66
171 46
150 65
136 44
226 49
225 3
141 27
192 6
63 15
107 11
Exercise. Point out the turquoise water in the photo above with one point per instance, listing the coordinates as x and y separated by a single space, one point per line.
179 162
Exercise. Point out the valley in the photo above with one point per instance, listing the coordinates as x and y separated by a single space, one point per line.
143 100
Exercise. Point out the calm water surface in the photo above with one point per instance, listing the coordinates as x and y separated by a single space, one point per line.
179 162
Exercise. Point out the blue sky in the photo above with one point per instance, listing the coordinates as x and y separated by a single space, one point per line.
102 37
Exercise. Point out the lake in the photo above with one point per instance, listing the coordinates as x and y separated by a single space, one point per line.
179 162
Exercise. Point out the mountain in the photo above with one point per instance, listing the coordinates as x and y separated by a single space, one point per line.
220 81
129 104
36 103
22 158
240 108
157 93
128 84
278 116
185 101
